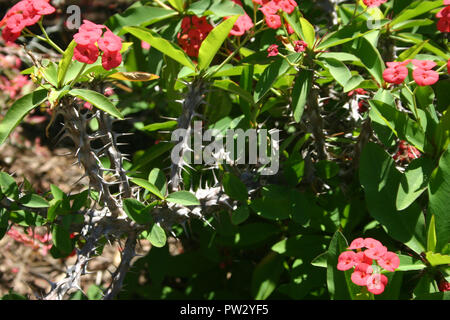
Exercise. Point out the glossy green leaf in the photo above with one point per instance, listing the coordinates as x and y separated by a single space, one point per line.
240 214
439 195
65 63
19 110
308 32
371 59
271 74
157 178
414 181
61 238
8 186
233 87
177 4
415 9
148 186
380 180
160 126
137 211
184 198
408 263
338 70
234 187
98 100
436 259
157 236
34 201
211 45
300 93
165 46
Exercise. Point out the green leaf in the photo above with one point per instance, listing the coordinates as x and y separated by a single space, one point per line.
371 59
436 259
61 238
414 182
157 236
148 186
400 123
240 215
34 201
137 211
439 194
266 276
158 179
431 234
415 9
345 34
220 8
340 286
380 179
408 263
98 100
338 70
213 42
234 187
160 126
271 74
412 52
177 4
166 47
65 63
309 33
50 73
19 110
8 186
184 198
300 93
232 87
138 15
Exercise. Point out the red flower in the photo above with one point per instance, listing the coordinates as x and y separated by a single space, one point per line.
390 261
424 64
86 54
110 42
376 283
90 26
371 243
346 260
444 286
242 24
42 7
300 46
361 274
193 31
23 14
273 21
358 243
376 253
448 66
362 258
374 3
395 75
425 77
10 36
85 38
272 50
111 59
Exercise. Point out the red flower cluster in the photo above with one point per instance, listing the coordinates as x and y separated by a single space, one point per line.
423 74
23 14
374 3
272 50
358 91
443 24
444 285
300 46
87 51
193 31
365 273
271 8
242 24
33 240
406 152
13 87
